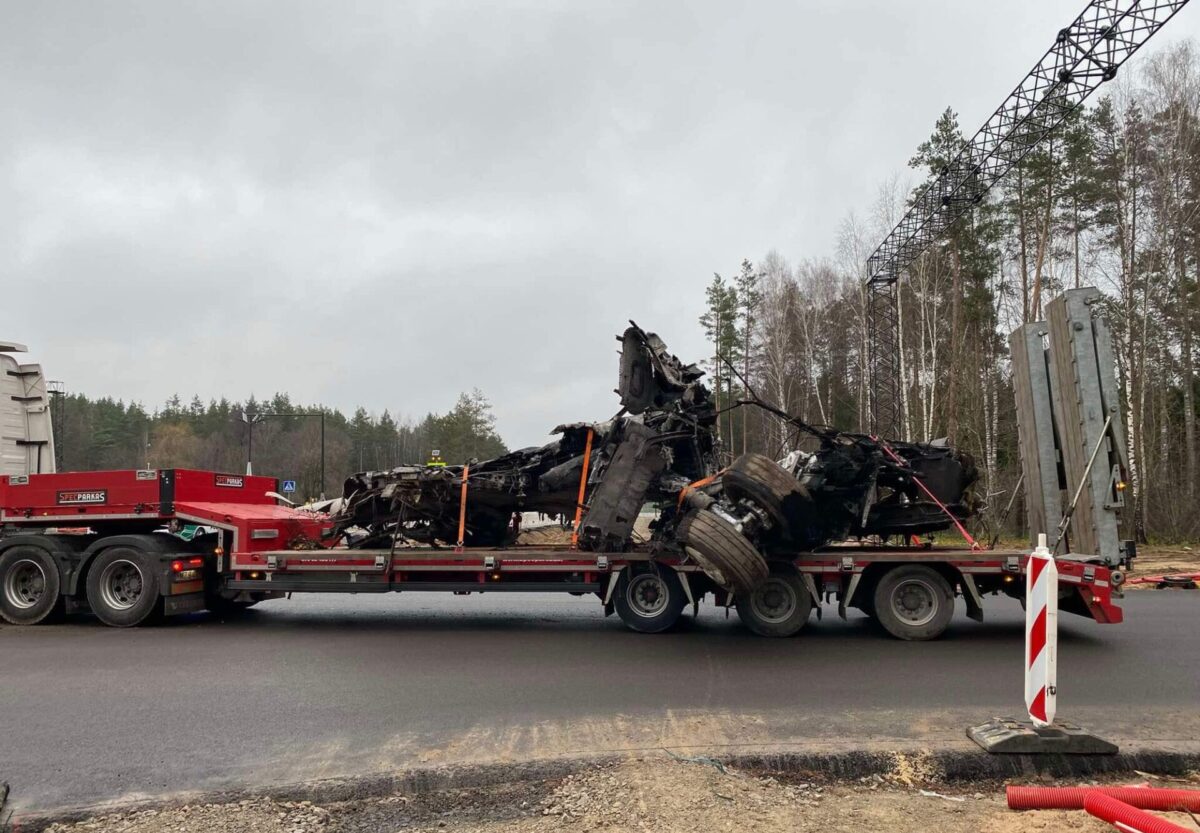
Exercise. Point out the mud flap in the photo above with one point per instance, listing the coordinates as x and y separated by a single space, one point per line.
848 596
687 589
184 603
811 586
972 598
614 576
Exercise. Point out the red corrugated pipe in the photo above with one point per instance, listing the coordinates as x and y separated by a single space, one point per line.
1072 798
1123 817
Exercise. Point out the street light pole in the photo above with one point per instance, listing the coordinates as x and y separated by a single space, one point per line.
250 419
253 418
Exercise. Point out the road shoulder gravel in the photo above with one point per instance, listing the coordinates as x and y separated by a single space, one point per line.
918 790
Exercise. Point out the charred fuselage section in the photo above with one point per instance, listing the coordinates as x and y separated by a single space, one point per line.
663 439
661 449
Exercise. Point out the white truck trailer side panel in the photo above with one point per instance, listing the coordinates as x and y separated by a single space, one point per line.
26 438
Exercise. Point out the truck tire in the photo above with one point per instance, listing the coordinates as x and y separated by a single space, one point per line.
29 586
781 606
724 554
649 601
913 602
123 587
758 478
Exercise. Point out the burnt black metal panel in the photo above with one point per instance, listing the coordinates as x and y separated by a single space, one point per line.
615 501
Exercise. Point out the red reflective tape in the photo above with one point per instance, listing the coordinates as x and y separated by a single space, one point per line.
1035 566
1038 707
1037 636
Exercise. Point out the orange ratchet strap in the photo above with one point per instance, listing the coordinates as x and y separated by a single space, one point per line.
587 458
462 509
699 484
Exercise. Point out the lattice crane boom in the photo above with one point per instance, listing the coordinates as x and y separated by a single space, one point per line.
1085 54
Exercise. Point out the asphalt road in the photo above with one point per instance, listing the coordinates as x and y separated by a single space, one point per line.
331 686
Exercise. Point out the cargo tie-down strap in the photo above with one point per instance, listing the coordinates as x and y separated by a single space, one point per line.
699 484
587 458
889 451
462 509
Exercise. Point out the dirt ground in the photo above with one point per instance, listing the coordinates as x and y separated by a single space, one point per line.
1162 560
658 793
549 533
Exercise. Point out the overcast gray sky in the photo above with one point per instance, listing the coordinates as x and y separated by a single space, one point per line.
387 203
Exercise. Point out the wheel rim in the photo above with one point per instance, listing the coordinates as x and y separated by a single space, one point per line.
121 585
25 584
647 595
707 566
915 602
774 602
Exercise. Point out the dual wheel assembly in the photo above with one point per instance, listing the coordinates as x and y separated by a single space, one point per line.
912 602
123 587
652 599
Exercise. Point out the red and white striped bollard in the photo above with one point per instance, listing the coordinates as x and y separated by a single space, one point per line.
1041 634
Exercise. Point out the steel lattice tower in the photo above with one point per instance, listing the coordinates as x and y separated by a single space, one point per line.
1084 55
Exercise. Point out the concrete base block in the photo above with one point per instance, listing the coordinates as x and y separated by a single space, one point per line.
1009 736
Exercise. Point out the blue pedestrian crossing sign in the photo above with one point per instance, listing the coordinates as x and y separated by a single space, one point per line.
289 485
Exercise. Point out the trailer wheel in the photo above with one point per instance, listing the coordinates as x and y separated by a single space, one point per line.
913 602
123 587
759 478
649 601
781 606
29 586
724 554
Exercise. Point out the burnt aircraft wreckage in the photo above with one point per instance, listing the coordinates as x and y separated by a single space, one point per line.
662 449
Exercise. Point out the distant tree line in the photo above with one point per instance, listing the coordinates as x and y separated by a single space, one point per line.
1111 200
104 433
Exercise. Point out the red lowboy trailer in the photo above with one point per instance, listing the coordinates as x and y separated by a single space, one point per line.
110 542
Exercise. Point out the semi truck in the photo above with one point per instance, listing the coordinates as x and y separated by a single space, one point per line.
112 543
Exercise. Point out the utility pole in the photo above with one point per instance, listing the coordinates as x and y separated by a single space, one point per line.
58 423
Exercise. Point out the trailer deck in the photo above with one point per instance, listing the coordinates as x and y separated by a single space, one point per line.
836 571
67 531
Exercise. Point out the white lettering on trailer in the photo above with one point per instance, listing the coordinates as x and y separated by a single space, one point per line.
73 497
